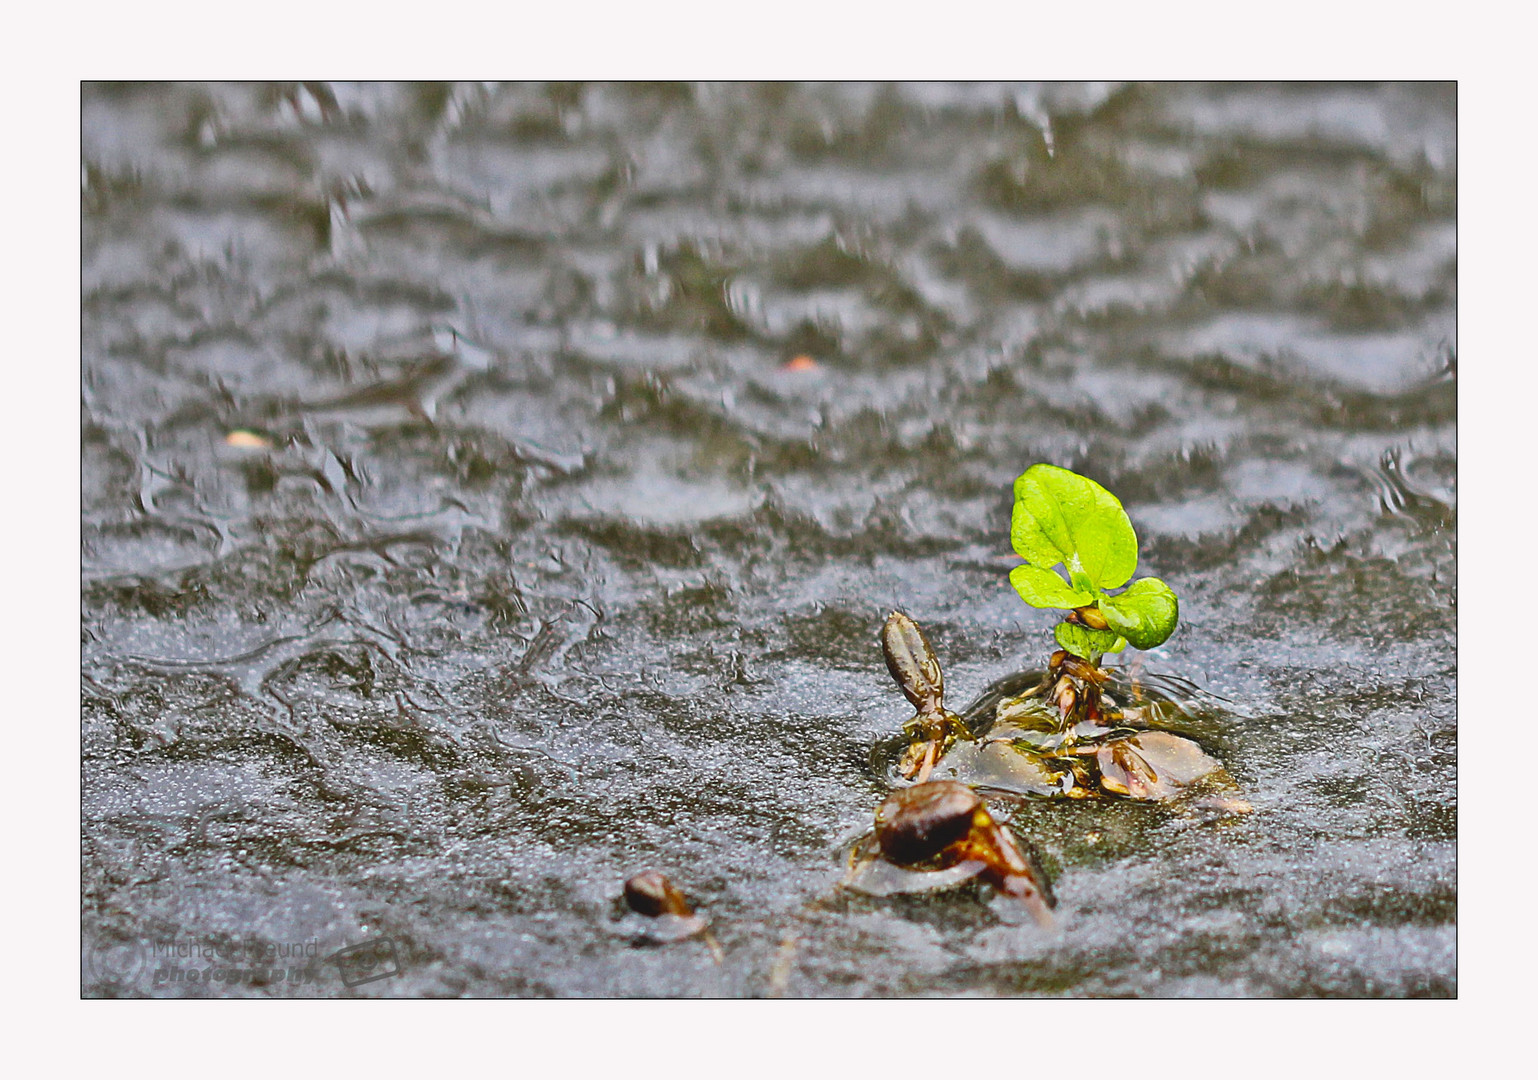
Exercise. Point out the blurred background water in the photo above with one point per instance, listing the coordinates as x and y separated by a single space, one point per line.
491 491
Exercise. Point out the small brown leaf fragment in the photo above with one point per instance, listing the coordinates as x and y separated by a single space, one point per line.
247 440
1222 805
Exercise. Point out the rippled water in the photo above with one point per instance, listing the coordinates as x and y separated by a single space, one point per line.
462 534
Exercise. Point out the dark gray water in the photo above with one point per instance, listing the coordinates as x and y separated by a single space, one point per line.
542 565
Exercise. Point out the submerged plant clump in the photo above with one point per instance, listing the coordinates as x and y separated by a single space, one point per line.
1076 730
1064 735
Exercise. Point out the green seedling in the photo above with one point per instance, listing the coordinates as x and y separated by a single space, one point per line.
1067 736
1062 519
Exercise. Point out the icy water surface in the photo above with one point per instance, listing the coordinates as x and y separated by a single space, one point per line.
462 533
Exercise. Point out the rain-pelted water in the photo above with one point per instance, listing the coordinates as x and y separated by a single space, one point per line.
491 492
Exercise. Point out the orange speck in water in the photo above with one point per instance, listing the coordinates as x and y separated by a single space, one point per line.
801 363
248 440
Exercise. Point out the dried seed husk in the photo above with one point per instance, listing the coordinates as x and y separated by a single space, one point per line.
1000 765
1153 766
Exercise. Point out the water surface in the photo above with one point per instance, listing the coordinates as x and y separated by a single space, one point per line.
462 534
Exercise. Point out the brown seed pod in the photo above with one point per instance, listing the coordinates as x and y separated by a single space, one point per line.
651 893
918 823
1083 670
945 823
917 670
1091 617
1065 695
913 663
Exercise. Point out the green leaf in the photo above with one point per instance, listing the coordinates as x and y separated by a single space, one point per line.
1045 588
1145 614
1082 641
1062 517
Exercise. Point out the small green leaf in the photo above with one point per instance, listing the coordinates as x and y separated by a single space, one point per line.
1145 614
1082 641
1046 589
1062 517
